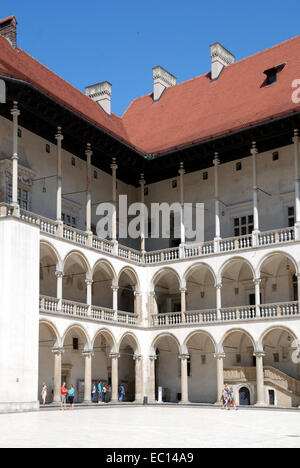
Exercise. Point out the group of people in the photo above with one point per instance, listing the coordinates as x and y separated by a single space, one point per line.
228 398
103 391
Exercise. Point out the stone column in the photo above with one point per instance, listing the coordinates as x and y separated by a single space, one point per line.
151 307
15 158
182 226
115 290
184 379
89 298
89 154
88 376
216 162
59 288
114 377
58 352
219 300
260 387
59 138
138 379
143 245
183 303
255 196
297 184
257 282
151 383
114 168
220 377
298 284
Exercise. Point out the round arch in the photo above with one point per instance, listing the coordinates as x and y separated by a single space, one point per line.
275 254
161 273
44 243
159 337
109 267
195 333
231 261
82 330
132 274
275 328
82 257
133 342
194 267
53 328
231 332
109 338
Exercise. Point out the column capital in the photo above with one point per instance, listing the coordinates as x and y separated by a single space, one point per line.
114 355
88 353
181 169
296 135
59 274
58 351
114 164
183 357
259 354
151 294
59 136
218 285
88 151
254 150
216 160
257 281
88 282
183 290
137 357
137 293
15 110
115 288
153 357
142 181
219 355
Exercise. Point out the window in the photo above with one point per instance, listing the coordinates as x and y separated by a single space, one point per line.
276 357
275 156
19 133
272 74
205 175
174 183
68 219
75 344
243 225
203 359
47 148
238 358
291 216
238 166
23 197
73 161
95 175
146 191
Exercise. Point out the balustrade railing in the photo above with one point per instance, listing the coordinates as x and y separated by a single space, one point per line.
281 309
201 316
72 234
172 318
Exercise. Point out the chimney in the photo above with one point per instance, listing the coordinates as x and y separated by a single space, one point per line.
8 29
161 80
101 93
220 58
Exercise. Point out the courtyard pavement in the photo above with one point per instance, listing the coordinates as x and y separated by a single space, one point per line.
157 427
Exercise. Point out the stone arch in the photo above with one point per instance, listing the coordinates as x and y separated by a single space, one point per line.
109 267
159 337
272 328
195 266
231 261
54 251
273 254
83 332
133 341
193 334
109 339
200 281
53 328
82 257
50 262
231 332
132 274
160 273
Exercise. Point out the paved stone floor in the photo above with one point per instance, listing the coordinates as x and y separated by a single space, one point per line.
143 427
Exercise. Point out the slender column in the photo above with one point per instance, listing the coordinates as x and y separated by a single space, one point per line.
115 290
255 195
114 377
88 355
182 226
142 184
138 379
114 168
184 379
59 138
183 303
89 154
216 162
298 284
297 184
220 376
15 158
219 299
89 298
257 282
260 387
59 286
57 373
151 383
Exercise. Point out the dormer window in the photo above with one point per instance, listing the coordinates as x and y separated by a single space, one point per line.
272 73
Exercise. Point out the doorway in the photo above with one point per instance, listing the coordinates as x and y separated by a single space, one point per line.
244 395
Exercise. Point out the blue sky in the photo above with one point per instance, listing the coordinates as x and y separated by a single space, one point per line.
121 40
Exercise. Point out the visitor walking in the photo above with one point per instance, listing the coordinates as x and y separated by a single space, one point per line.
122 393
44 394
63 393
94 390
104 391
227 397
99 393
232 399
71 397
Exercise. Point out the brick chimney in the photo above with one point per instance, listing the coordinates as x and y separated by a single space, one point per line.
220 58
8 29
101 93
162 79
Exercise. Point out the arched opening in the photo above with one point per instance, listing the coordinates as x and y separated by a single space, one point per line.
167 369
279 280
244 397
202 368
47 340
75 275
48 266
128 285
281 369
73 364
238 288
103 279
201 292
239 348
167 292
127 367
101 365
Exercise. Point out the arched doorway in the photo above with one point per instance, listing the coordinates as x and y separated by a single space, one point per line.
166 285
167 368
47 340
244 396
128 285
103 346
128 362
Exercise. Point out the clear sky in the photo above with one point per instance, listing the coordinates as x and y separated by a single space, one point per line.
121 40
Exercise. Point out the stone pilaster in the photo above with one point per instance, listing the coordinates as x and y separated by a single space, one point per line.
58 352
184 379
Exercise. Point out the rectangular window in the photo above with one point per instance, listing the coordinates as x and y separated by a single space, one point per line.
23 197
75 344
276 357
243 225
291 216
238 358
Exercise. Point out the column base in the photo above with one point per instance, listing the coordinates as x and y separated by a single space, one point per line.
14 407
260 403
187 402
297 231
218 403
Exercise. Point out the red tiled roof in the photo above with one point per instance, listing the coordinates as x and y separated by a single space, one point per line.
199 109
192 111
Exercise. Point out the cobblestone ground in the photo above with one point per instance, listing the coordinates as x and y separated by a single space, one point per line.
143 427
